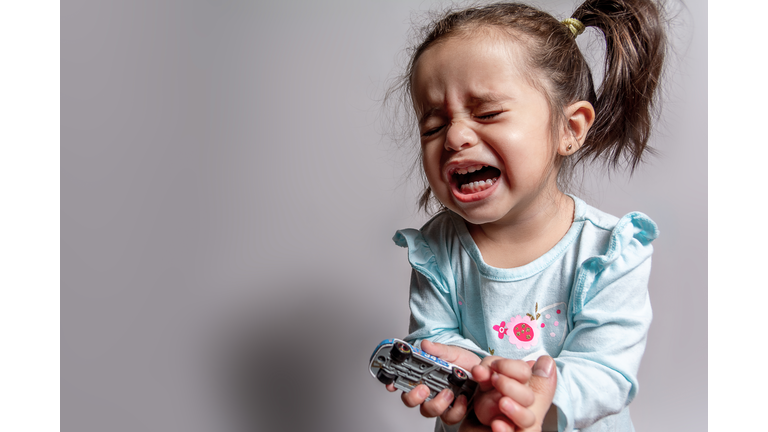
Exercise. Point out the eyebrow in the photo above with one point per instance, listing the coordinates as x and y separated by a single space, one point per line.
427 114
489 97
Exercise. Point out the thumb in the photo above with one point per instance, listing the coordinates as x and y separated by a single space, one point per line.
452 354
543 382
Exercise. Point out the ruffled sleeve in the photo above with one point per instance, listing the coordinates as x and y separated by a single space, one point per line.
420 256
628 247
432 300
611 314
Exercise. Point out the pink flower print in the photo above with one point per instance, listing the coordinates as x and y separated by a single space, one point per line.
524 333
501 329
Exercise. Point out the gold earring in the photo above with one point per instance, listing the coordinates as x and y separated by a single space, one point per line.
569 147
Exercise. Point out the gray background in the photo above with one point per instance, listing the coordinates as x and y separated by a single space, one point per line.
228 200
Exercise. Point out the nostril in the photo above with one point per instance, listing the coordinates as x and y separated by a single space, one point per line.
460 136
459 143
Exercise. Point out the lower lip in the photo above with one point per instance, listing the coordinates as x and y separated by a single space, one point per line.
473 197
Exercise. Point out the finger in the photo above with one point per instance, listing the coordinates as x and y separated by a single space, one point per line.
452 354
520 415
438 405
391 387
501 424
482 375
544 368
445 352
513 388
486 406
415 397
516 369
457 412
489 360
543 383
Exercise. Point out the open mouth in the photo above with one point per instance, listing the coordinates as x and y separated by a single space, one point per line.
475 178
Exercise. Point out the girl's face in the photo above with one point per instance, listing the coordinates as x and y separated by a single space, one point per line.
485 131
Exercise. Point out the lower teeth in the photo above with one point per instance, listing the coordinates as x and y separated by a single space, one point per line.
477 186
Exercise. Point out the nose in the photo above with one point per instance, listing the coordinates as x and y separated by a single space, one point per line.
460 136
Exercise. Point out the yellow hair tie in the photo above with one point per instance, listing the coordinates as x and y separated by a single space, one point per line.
574 25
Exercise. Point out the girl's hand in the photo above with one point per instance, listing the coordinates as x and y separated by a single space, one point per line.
471 424
503 396
438 406
512 397
543 382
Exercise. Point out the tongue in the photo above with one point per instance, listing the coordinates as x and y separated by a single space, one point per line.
481 175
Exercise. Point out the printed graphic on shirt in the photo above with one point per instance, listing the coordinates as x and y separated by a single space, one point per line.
523 332
526 331
502 329
553 323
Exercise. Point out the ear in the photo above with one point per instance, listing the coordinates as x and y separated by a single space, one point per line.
579 116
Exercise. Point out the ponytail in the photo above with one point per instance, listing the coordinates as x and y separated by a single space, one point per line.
635 45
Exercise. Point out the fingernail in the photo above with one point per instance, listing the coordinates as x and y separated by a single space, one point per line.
447 395
544 367
494 378
506 405
424 392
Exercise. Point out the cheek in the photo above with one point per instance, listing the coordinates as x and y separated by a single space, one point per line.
434 178
431 163
538 148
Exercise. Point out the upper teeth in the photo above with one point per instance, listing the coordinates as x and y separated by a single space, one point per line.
469 169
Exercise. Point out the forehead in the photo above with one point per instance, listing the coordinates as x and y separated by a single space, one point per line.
482 66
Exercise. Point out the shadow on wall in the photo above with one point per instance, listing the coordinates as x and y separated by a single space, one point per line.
278 364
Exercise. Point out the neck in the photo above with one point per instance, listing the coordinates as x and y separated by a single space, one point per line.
520 239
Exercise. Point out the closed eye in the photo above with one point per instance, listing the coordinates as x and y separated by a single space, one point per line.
432 131
488 116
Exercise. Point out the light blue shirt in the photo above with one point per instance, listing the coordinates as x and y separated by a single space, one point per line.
585 303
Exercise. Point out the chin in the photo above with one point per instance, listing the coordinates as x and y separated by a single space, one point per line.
477 216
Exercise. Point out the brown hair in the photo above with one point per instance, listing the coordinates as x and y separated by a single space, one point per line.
624 104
